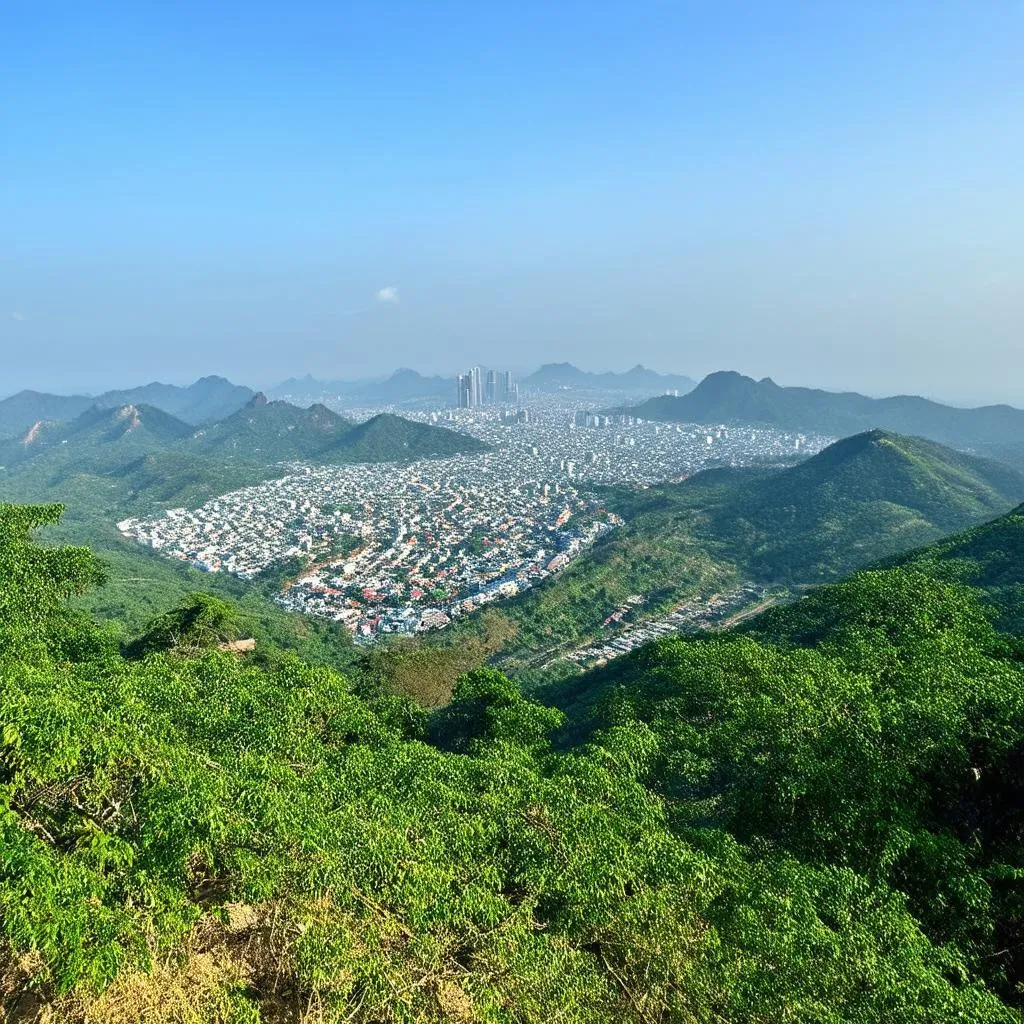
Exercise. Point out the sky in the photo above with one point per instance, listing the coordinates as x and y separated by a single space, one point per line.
825 193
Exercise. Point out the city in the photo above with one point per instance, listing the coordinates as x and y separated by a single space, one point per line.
386 548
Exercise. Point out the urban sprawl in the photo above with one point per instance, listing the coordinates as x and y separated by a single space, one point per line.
386 548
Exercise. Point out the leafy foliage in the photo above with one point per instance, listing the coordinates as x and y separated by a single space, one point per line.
329 864
989 557
877 725
201 623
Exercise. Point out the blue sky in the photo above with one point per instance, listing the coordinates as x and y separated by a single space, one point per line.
824 193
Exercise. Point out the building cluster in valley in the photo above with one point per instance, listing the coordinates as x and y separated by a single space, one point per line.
613 449
399 548
390 549
690 617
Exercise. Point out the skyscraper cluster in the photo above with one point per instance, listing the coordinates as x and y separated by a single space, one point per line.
497 388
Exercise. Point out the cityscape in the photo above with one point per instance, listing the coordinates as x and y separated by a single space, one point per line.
403 548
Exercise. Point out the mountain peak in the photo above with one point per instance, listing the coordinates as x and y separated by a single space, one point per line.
719 377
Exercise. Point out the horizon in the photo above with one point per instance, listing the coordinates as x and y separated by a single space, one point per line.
824 196
263 388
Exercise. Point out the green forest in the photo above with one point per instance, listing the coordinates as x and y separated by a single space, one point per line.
861 500
819 817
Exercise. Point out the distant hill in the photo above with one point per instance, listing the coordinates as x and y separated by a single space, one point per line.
387 437
278 431
865 498
261 434
989 557
553 376
98 433
209 398
20 412
402 386
273 432
729 397
860 499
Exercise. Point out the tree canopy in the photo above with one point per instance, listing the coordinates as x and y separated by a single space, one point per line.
216 838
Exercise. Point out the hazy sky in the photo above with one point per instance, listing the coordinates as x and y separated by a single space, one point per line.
826 193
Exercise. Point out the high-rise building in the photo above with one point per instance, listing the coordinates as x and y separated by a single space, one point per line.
470 390
474 388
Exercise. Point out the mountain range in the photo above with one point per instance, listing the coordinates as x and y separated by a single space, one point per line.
729 397
559 376
262 433
209 398
403 385
279 431
407 385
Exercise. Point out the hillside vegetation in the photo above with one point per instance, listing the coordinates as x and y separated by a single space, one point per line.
860 500
878 724
208 399
189 835
990 558
261 434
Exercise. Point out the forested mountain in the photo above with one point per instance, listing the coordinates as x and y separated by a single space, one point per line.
639 378
729 397
98 434
757 829
989 557
209 398
387 437
277 431
274 432
859 500
261 434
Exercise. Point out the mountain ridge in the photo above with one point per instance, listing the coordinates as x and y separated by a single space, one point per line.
404 385
863 499
262 432
639 377
97 433
205 399
730 397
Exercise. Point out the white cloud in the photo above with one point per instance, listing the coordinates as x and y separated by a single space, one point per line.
22 316
388 294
